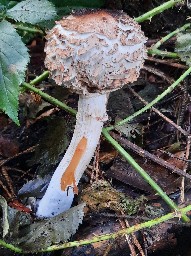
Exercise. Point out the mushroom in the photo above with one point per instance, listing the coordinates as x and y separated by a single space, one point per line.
92 52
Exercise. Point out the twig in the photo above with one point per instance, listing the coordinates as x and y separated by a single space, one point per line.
8 180
144 175
158 73
128 238
167 62
28 150
146 154
182 196
135 240
108 249
5 189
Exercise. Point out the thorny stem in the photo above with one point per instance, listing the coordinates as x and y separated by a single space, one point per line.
148 15
49 98
153 102
130 230
144 175
154 49
163 54
10 247
167 37
40 78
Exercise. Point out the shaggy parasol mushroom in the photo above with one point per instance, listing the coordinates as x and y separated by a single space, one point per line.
92 52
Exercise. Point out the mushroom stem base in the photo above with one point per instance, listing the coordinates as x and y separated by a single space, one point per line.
63 185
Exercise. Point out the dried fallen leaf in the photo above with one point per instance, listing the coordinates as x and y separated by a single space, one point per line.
8 147
5 223
43 233
35 188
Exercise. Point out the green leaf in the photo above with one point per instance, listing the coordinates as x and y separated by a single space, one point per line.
129 130
13 61
32 11
4 2
183 47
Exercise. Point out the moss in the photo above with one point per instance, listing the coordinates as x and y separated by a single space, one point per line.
101 195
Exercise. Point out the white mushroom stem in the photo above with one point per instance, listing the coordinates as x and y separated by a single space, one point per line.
63 185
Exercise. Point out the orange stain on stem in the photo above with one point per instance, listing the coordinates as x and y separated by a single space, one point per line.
68 177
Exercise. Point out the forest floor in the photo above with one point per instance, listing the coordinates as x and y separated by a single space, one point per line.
36 146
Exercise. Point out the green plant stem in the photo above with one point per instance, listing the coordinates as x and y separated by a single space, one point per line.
167 37
28 29
153 51
148 15
156 100
40 78
144 175
10 247
127 231
49 98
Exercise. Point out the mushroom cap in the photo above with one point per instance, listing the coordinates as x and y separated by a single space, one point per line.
95 51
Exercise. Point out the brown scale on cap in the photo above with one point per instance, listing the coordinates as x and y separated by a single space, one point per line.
95 51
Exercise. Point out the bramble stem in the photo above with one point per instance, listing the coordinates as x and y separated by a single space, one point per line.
167 37
130 230
163 54
154 49
153 102
49 98
148 15
40 78
10 247
143 174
